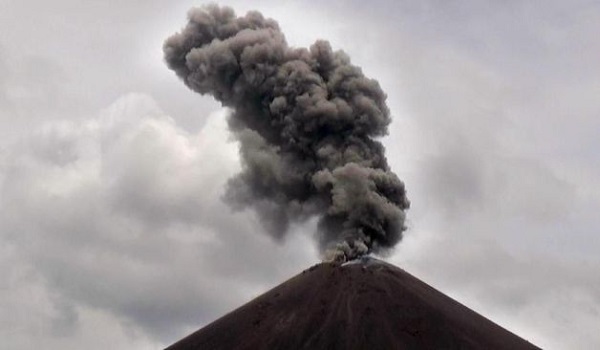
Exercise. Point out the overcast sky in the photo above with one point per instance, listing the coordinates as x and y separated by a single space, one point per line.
112 230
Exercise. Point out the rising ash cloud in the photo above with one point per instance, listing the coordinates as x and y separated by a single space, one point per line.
307 122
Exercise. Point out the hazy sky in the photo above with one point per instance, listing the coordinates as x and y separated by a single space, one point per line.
112 230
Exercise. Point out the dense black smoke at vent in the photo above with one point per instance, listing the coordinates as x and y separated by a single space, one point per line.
305 120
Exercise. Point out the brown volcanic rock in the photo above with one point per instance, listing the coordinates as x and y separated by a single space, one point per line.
364 305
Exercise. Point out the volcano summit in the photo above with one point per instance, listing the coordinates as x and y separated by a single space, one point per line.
365 304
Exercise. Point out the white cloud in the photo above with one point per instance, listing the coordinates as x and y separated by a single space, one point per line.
119 217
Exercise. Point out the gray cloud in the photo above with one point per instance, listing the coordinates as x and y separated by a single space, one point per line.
500 203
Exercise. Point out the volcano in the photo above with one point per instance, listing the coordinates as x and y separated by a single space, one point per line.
362 304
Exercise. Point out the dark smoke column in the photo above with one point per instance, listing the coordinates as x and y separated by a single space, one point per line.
305 120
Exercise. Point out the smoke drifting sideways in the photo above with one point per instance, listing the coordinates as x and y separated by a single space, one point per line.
306 120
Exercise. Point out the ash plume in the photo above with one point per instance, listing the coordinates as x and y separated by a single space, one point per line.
306 120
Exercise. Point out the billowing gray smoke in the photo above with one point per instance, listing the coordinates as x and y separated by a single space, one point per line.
305 120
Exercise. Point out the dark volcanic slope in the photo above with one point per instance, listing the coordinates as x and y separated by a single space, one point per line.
368 305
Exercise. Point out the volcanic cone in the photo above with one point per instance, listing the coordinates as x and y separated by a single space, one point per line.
363 304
